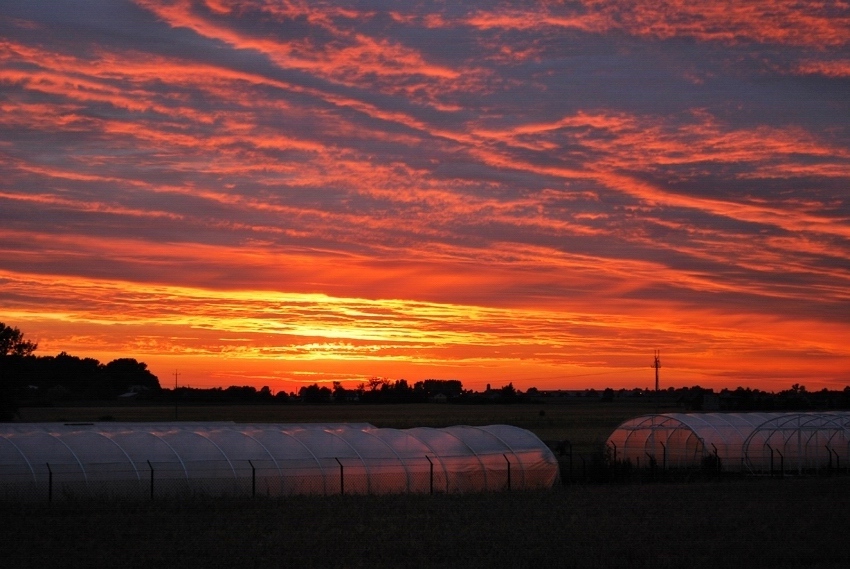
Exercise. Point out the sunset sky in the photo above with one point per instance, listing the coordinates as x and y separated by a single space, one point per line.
287 192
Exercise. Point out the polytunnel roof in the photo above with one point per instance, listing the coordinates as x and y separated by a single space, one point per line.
730 427
684 438
718 428
99 442
315 452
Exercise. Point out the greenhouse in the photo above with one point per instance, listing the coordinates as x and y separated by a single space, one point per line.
55 461
745 442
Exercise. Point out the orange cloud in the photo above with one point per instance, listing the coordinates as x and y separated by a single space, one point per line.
784 22
837 69
351 59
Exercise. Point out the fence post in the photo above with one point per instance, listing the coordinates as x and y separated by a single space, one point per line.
49 483
652 464
509 470
151 467
837 460
341 477
253 480
431 468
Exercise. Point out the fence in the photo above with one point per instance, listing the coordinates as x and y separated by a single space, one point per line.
612 463
747 459
273 478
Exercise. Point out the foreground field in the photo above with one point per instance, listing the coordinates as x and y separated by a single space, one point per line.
721 523
751 523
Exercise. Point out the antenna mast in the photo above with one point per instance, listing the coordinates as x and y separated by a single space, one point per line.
656 364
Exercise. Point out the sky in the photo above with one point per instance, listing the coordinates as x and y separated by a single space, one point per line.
284 193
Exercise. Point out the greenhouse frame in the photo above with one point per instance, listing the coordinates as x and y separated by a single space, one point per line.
54 461
743 442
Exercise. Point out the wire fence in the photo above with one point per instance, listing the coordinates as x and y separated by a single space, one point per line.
273 478
613 464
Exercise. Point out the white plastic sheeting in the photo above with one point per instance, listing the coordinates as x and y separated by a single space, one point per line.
799 442
756 442
56 460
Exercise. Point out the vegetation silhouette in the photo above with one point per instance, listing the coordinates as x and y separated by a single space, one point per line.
30 380
25 377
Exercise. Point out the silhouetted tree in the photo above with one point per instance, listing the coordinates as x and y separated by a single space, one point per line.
14 351
77 375
122 374
451 388
314 394
23 374
241 392
508 393
401 392
376 383
12 342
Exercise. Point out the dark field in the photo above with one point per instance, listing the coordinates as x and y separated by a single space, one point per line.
724 523
584 423
750 523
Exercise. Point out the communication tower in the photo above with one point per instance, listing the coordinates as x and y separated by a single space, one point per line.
656 364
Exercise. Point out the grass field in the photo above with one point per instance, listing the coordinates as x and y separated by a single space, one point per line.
724 523
584 422
745 523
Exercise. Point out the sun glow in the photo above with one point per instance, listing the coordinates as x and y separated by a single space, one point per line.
289 333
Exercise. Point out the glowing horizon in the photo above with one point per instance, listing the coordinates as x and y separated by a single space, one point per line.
279 194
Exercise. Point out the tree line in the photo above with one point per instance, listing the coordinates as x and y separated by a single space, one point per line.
26 376
375 390
30 379
383 390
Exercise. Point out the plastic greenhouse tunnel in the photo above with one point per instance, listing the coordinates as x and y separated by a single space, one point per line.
737 442
53 461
